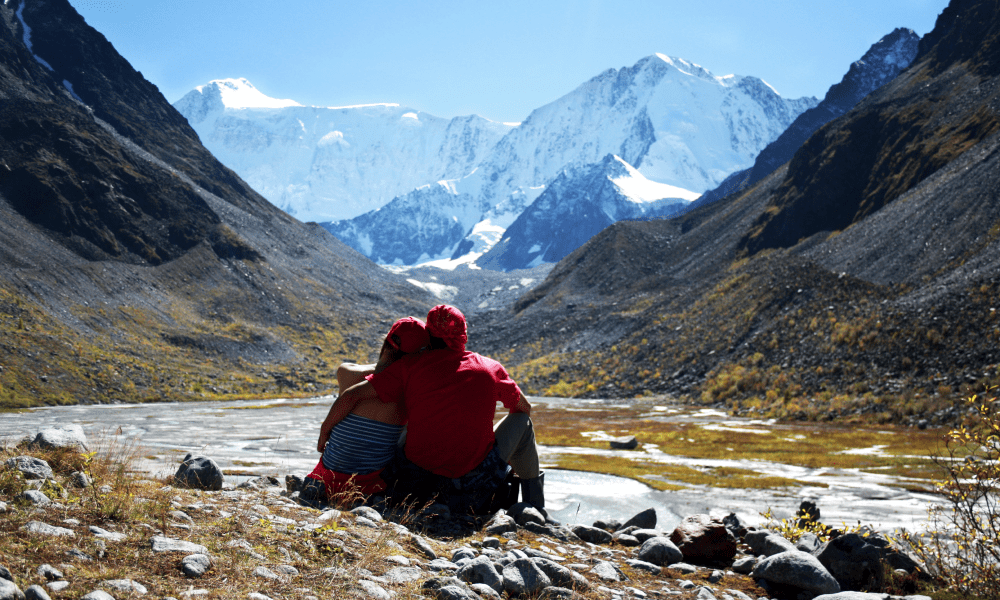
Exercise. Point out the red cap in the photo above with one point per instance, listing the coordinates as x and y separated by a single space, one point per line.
448 323
408 335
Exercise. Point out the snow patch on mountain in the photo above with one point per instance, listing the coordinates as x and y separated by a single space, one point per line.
634 186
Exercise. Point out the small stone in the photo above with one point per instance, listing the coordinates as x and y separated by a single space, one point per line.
57 586
127 586
744 565
265 573
35 497
10 591
605 571
31 467
49 572
80 480
403 574
485 591
104 534
767 543
659 551
79 555
374 590
797 569
39 528
644 520
523 577
423 546
591 534
98 595
199 472
559 593
642 565
36 592
368 513
611 525
481 570
165 544
6 574
628 442
196 565
66 436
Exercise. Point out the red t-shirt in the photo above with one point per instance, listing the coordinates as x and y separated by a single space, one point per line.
450 399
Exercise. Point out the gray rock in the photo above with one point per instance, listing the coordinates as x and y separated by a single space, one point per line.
403 574
481 570
644 520
796 569
35 497
265 573
705 594
767 543
39 528
66 436
57 586
606 571
808 543
745 565
524 513
627 540
423 546
36 592
3 507
180 515
442 564
98 595
79 555
485 591
448 588
867 596
127 586
31 467
611 525
561 576
367 512
523 577
164 544
591 534
286 570
628 442
659 551
684 568
738 595
491 542
80 480
463 552
716 576
9 591
196 565
642 565
6 574
559 593
49 572
199 472
500 524
104 534
644 534
374 590
853 562
735 525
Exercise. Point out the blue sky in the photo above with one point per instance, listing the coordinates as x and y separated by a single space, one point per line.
500 60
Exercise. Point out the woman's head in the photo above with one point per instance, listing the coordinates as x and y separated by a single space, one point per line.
406 336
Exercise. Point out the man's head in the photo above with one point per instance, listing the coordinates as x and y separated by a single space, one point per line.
408 335
447 324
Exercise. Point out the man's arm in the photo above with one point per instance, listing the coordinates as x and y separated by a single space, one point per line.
343 406
522 406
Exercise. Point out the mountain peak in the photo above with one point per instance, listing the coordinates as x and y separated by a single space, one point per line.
240 93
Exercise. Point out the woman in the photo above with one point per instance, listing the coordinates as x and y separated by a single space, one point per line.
359 442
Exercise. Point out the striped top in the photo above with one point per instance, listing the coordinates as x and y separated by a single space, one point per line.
360 445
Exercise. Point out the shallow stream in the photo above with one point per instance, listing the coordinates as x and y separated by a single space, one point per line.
279 437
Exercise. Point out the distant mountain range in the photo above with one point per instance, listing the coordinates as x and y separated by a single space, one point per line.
670 120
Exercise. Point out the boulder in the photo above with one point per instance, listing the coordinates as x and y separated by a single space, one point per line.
199 472
659 551
628 442
36 592
196 565
736 525
31 467
853 562
702 538
766 543
809 542
562 576
66 436
481 570
591 534
9 591
524 578
798 570
644 520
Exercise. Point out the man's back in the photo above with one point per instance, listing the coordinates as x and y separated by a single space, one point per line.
450 399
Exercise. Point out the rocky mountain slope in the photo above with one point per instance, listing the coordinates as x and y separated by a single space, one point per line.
577 205
861 277
326 163
670 119
881 64
134 265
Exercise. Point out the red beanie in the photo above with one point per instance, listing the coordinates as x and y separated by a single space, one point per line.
448 323
408 334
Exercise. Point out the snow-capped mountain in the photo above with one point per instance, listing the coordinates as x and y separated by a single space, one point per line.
672 120
880 65
578 204
331 163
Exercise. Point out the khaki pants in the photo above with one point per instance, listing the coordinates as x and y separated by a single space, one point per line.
516 443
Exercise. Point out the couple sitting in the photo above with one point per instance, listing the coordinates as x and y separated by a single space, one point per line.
446 396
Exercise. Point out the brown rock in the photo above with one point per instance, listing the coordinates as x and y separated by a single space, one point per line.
702 538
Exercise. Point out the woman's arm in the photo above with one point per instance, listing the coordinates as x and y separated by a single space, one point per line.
343 406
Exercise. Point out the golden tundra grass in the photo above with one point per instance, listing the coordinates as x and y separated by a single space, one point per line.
903 452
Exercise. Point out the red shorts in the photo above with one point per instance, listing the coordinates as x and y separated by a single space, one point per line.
337 482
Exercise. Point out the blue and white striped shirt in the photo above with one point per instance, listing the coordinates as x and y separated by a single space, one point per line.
360 445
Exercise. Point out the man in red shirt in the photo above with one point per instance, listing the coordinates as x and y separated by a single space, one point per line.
450 397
